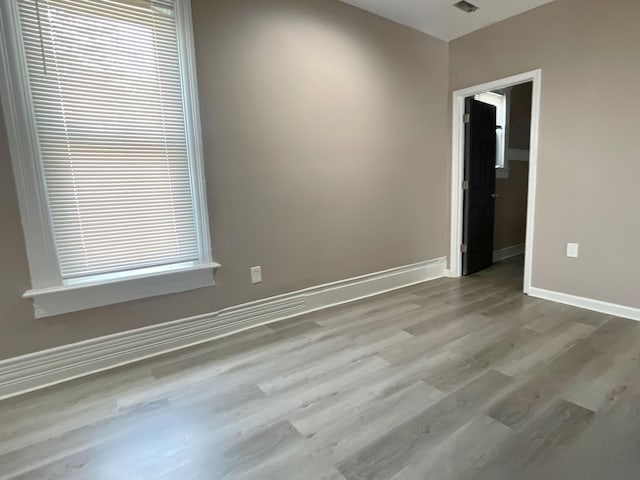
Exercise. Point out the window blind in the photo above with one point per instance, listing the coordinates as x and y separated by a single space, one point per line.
107 96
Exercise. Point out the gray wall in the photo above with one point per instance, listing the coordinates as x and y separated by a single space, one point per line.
589 146
325 150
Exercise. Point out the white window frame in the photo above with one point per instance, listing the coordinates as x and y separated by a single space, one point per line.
501 102
50 294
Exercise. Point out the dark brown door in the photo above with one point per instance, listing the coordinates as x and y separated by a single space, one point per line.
480 186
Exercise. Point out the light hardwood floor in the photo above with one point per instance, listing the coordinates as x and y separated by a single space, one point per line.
452 379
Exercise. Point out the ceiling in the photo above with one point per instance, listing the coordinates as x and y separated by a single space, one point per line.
440 19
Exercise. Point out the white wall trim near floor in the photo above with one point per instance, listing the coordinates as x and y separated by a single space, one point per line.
49 367
508 252
587 303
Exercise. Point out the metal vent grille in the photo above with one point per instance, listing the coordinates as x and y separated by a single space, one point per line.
465 6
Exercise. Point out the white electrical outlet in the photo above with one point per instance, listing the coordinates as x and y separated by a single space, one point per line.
573 250
256 275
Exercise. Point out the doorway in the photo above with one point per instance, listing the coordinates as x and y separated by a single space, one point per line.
476 163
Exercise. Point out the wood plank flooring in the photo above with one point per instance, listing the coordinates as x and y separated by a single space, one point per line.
452 379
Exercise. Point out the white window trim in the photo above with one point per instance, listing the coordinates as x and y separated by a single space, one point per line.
501 102
49 293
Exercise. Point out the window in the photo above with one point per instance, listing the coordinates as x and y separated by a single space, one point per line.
105 134
499 101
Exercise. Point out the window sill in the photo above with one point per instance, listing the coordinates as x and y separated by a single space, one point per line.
52 301
502 172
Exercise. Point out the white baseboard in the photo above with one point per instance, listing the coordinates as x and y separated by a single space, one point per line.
587 303
49 367
508 252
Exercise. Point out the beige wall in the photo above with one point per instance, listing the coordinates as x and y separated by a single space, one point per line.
511 207
511 204
589 147
520 116
325 152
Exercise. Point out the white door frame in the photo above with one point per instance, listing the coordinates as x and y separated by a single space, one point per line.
457 167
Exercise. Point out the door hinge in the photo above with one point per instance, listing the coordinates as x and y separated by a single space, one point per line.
463 248
466 118
465 185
